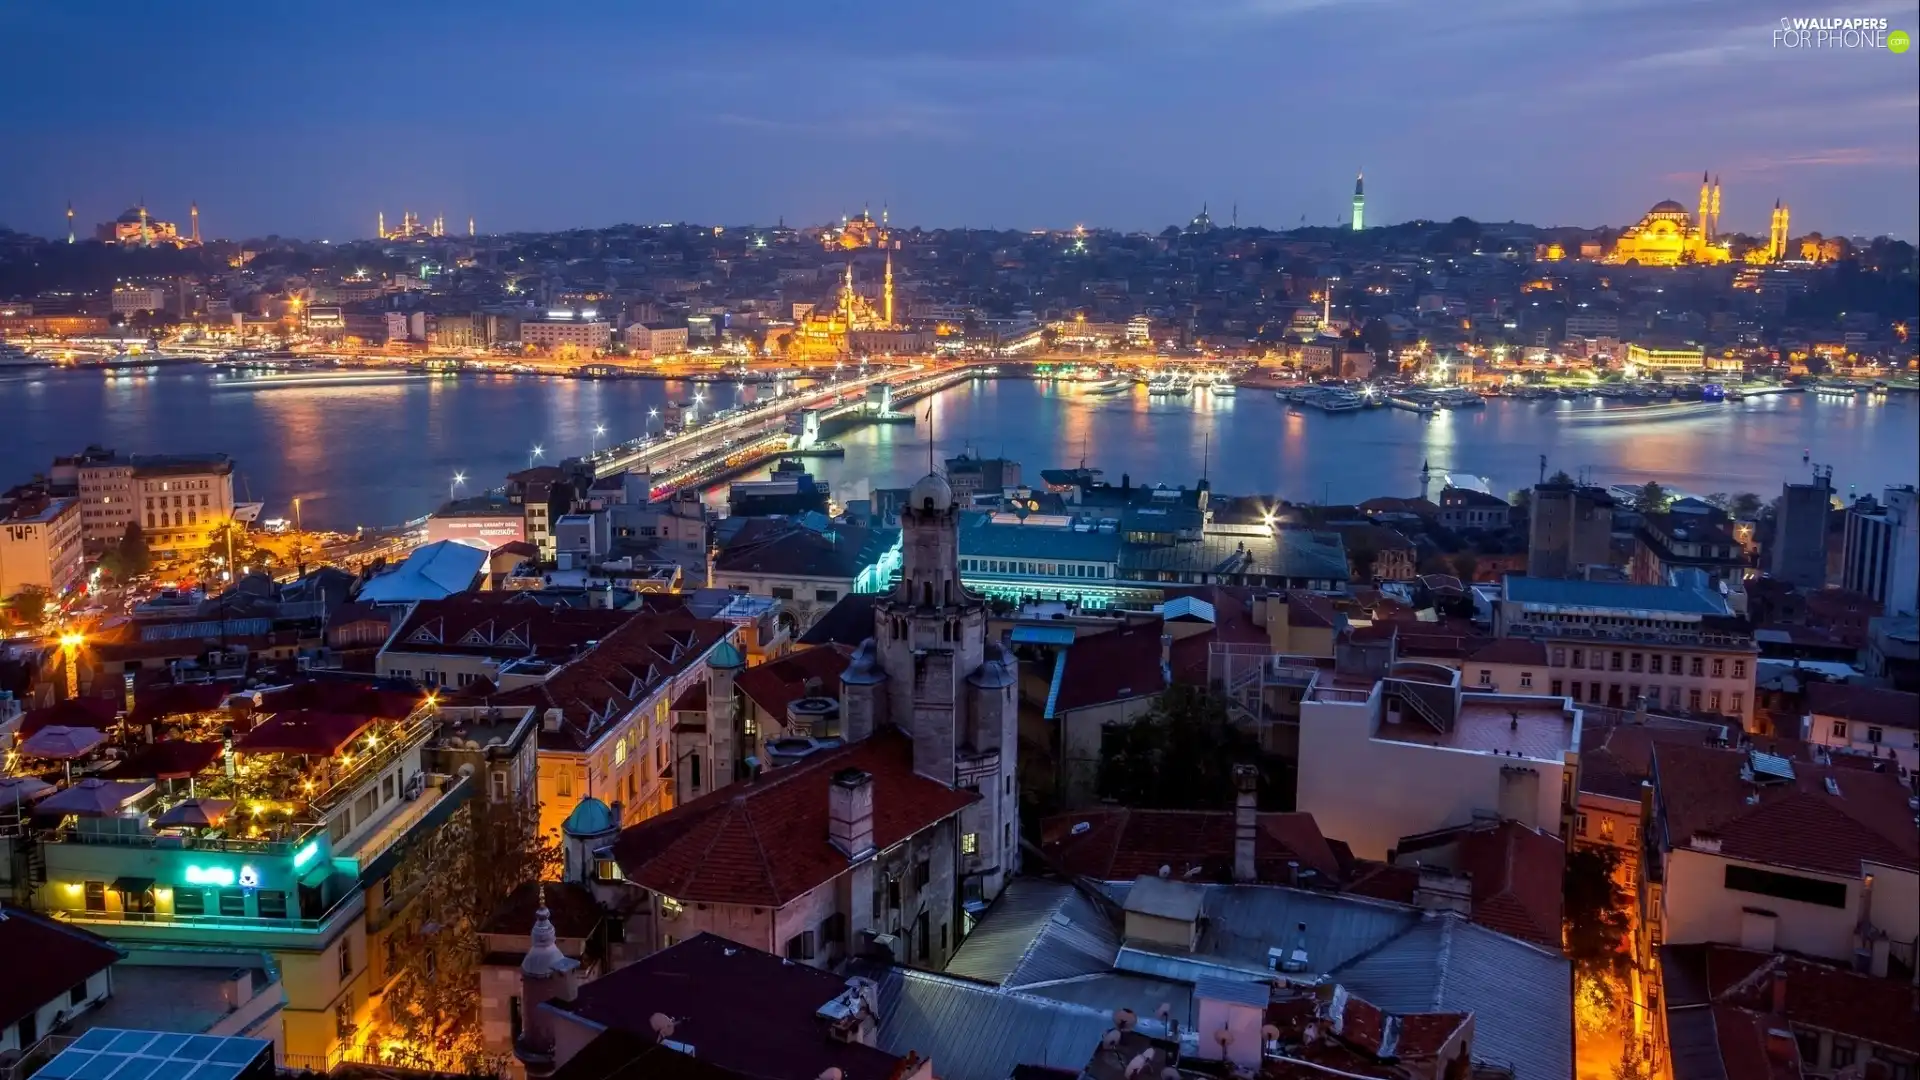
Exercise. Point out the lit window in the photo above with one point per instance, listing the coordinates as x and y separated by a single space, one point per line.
970 843
620 752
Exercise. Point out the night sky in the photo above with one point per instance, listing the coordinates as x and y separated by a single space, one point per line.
304 119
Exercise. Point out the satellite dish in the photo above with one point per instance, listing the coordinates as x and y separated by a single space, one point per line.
1125 1019
1164 1012
1224 1036
831 1072
1111 1039
662 1025
1138 1065
1270 1033
1165 871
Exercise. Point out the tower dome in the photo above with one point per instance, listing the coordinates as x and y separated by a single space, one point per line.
930 490
726 655
590 817
1667 206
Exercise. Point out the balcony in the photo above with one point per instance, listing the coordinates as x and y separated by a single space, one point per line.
1631 635
222 929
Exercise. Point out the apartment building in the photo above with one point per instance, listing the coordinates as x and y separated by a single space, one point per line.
302 846
1865 721
1610 643
40 544
178 500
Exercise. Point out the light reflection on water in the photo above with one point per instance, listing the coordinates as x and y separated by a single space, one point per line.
383 453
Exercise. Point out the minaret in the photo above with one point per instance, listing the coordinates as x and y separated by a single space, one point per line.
1426 479
383 224
146 237
193 212
1359 200
887 292
1713 230
469 226
546 974
1703 224
69 221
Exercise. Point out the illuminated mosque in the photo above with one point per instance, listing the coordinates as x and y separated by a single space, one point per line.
138 228
1667 236
825 333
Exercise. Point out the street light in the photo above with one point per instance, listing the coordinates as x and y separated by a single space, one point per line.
593 444
458 479
535 456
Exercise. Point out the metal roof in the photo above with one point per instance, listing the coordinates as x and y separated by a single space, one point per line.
1043 635
1612 596
984 539
431 572
1037 931
1187 607
1290 553
975 1032
1244 921
1113 990
1521 996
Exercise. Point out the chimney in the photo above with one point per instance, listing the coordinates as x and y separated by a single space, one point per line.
850 813
1246 783
1781 1046
1640 709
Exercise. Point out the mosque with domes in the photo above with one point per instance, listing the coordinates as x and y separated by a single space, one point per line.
1668 236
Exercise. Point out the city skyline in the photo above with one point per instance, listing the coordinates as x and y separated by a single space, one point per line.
995 118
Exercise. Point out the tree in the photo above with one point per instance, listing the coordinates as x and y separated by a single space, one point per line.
1633 1064
509 848
1522 499
1651 498
29 605
1180 756
1560 477
433 1006
130 558
1746 505
1596 916
1464 564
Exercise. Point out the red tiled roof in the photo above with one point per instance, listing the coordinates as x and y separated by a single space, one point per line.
618 673
692 699
1616 757
1742 1037
465 624
1121 844
1517 875
1868 704
1795 823
44 960
765 843
304 731
740 1008
1232 623
1113 665
778 683
1879 1011
1384 881
1423 1035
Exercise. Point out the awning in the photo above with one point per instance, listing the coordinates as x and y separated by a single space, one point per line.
1043 635
132 886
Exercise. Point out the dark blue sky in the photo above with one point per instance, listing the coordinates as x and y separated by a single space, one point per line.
306 118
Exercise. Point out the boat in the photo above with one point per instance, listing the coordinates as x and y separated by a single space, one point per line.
1226 387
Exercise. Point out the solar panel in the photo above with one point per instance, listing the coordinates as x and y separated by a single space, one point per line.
119 1054
1772 766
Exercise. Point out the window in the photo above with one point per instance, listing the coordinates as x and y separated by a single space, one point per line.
1739 669
1593 692
389 785
1738 705
1580 824
96 896
922 874
1486 677
1696 667
620 752
970 843
1654 664
1693 700
233 903
1713 701
893 894
1555 688
693 771
346 959
800 946
1526 680
833 929
78 994
826 596
1613 662
781 592
1576 692
499 782
1673 697
1606 829
1719 668
563 783
1806 890
272 904
1576 658
1843 1051
343 1018
1839 729
1633 662
189 902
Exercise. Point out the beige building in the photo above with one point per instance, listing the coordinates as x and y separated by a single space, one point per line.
1610 643
39 545
588 335
177 499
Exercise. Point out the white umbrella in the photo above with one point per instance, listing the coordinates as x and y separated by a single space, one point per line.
94 797
62 743
23 789
194 814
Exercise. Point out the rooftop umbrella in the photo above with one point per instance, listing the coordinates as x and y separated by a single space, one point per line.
22 789
94 797
62 744
195 814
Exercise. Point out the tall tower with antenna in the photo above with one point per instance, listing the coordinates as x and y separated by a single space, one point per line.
69 221
1359 200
